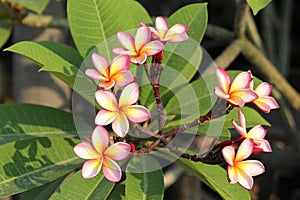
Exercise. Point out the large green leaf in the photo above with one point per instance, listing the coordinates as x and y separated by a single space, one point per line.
215 177
19 121
102 19
59 59
181 60
5 31
30 163
257 5
36 6
76 187
147 185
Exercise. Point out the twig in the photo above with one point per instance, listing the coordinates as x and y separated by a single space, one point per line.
44 21
271 73
240 18
229 54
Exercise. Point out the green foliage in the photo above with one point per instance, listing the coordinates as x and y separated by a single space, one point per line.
215 177
146 185
102 20
26 164
5 31
36 6
20 121
183 58
257 5
77 187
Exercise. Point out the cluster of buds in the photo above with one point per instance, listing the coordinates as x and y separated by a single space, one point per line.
119 106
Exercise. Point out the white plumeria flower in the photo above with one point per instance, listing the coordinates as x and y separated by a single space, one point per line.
118 113
101 156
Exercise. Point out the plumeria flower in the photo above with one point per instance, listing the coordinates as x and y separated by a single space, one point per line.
176 33
139 47
116 74
238 92
239 170
117 112
257 134
100 155
264 101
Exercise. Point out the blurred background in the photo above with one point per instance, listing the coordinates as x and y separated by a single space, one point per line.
278 38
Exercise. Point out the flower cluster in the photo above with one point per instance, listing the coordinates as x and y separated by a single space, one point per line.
118 108
237 93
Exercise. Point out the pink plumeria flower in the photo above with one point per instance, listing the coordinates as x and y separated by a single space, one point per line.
117 112
116 74
140 47
257 134
238 92
176 33
264 101
239 170
100 155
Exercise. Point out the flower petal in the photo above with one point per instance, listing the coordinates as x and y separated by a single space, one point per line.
241 81
123 51
142 37
251 167
236 100
247 95
119 63
106 85
126 40
139 59
118 151
242 119
178 29
152 48
105 117
244 150
91 168
123 78
220 93
100 139
161 26
129 95
232 174
85 150
107 100
257 132
245 179
100 63
228 154
177 37
120 125
95 75
111 170
223 79
136 113
263 145
264 89
266 103
242 131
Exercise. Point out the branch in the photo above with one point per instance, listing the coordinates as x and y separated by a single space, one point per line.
271 73
44 21
240 18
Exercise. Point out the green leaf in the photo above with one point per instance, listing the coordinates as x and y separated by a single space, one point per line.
42 192
36 6
5 31
20 121
102 20
76 187
215 177
257 5
147 185
118 192
30 163
181 60
61 60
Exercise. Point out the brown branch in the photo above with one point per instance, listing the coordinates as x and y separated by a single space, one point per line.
271 73
44 21
240 18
